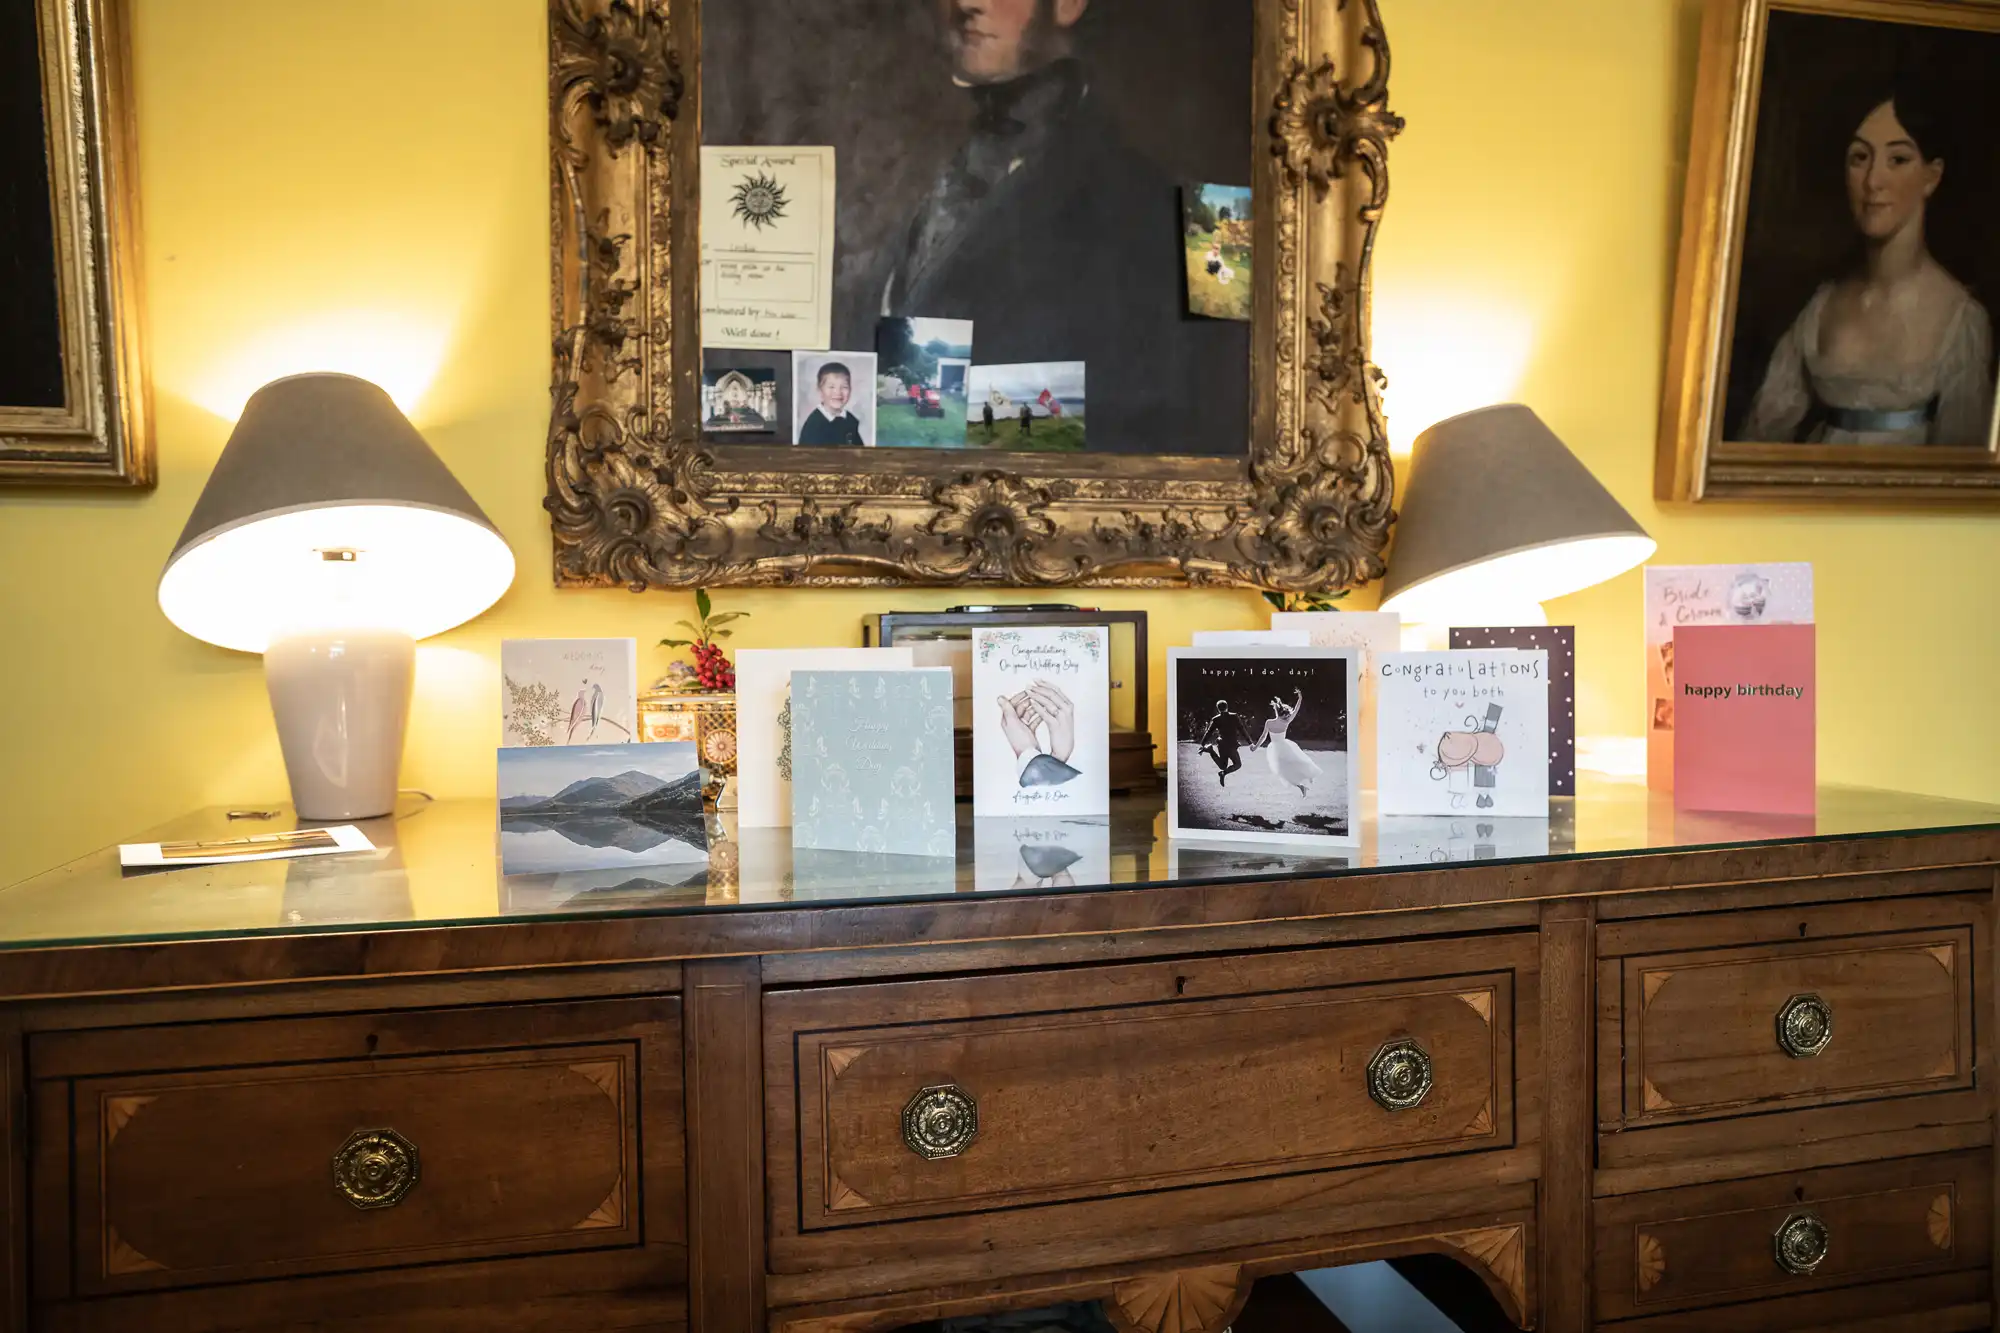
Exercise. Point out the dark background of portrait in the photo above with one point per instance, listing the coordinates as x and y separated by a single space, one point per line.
30 335
873 79
1249 684
1799 231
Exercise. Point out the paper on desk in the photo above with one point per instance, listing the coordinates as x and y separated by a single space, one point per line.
253 847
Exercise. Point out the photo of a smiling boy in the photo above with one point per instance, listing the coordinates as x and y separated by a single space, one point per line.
833 399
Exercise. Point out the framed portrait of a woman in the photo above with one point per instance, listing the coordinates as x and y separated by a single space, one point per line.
1840 268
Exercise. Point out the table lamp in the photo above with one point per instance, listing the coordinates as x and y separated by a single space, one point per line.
1497 516
330 538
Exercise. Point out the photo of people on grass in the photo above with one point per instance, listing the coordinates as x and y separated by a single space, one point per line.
1037 405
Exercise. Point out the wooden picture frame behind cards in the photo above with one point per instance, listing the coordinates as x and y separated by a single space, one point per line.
1070 181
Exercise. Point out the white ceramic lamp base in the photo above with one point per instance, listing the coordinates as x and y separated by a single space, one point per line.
341 699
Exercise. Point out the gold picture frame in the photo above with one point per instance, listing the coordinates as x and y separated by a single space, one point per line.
91 423
638 498
1757 93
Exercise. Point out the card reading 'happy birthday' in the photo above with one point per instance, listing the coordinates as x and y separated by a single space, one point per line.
1464 733
1747 700
872 762
1041 722
1679 595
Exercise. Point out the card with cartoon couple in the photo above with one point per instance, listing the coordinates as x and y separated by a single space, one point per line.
1041 722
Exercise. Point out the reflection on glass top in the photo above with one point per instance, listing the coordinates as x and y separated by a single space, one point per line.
436 864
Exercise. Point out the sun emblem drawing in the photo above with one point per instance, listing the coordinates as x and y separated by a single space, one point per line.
760 201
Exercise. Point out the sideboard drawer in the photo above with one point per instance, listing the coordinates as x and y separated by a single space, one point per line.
224 1152
1784 1235
1785 1008
931 1098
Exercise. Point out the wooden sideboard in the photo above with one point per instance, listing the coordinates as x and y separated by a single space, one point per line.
1633 1069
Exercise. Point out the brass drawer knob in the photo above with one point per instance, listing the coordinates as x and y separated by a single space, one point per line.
940 1122
1805 1026
1801 1244
1399 1077
375 1168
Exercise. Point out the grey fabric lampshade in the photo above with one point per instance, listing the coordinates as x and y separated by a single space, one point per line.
326 468
1495 506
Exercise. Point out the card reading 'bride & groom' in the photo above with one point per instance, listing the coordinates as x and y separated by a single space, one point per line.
1041 722
1262 745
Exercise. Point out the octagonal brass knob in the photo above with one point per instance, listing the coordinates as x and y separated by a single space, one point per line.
1399 1077
375 1168
940 1122
1801 1244
1805 1026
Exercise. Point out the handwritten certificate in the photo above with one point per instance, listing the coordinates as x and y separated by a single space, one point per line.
767 248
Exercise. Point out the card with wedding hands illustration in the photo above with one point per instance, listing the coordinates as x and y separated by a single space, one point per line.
1041 722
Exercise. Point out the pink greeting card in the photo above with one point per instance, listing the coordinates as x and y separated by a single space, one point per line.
1746 705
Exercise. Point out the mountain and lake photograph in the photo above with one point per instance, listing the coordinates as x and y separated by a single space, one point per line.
600 807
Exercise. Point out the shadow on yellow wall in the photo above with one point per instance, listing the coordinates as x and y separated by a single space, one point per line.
363 185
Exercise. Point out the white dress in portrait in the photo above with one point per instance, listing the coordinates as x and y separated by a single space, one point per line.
1284 756
1946 400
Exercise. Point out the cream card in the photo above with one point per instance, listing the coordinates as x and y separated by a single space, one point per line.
763 720
1682 595
1464 733
569 692
1041 722
1245 638
1371 633
767 247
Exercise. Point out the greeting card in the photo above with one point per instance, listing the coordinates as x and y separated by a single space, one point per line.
872 762
569 692
600 807
1559 642
1746 711
1252 638
1041 721
1370 633
1464 733
1678 595
1260 748
764 721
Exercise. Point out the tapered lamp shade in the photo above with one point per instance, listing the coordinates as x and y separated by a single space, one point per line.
328 510
1497 512
330 538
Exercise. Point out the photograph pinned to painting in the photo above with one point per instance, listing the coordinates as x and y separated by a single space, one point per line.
600 807
569 692
1037 405
833 399
1464 733
1261 746
923 369
739 401
1215 225
1041 721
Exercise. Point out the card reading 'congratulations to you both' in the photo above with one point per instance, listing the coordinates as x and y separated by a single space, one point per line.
1465 733
1041 722
872 762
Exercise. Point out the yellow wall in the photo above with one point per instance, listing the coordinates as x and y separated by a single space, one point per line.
361 184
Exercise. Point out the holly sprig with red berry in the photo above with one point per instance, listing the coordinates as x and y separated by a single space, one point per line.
711 668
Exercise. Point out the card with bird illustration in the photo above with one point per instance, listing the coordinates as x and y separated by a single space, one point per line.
569 692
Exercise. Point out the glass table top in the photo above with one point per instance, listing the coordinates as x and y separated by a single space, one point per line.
437 864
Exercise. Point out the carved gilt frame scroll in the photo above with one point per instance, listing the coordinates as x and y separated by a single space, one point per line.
99 433
638 499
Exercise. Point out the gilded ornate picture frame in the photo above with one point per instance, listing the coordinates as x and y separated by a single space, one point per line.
74 404
1831 335
640 497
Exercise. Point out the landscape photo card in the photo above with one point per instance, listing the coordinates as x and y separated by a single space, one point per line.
1559 642
1261 745
569 692
600 807
764 720
872 759
1678 595
1041 721
1464 732
1747 699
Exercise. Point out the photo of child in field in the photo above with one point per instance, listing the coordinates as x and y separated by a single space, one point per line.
921 386
1216 230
